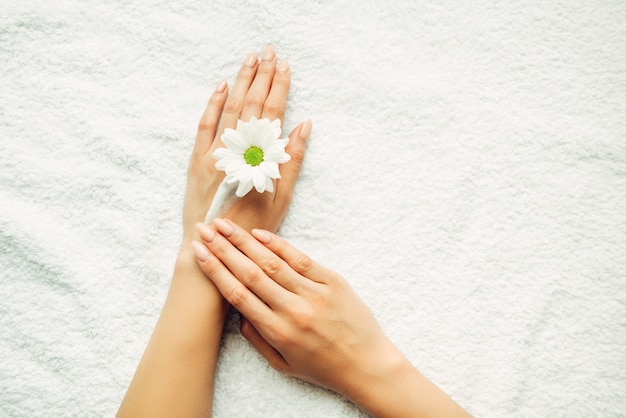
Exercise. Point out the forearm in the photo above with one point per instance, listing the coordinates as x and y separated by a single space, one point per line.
394 388
175 376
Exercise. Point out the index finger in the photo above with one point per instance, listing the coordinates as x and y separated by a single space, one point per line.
276 102
297 260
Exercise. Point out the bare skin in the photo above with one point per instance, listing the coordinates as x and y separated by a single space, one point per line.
303 318
307 322
175 377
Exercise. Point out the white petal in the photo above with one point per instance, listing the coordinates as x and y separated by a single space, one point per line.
259 180
270 169
241 171
275 124
250 133
234 141
224 153
277 152
230 164
269 184
243 188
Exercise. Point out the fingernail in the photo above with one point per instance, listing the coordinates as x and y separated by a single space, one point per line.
283 67
200 251
205 231
221 87
251 59
305 130
262 236
268 53
224 227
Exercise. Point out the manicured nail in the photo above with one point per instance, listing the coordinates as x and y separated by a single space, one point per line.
221 87
268 53
224 227
262 235
305 130
200 251
283 67
205 231
251 59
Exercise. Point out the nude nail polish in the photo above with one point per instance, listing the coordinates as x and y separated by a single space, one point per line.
268 53
262 236
224 227
251 59
283 67
305 130
200 251
205 231
221 87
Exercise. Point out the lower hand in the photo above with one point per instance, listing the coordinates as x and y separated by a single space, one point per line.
261 91
302 317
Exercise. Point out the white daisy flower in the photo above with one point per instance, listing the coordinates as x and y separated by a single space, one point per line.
251 159
253 153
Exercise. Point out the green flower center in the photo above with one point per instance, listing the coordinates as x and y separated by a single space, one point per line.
253 156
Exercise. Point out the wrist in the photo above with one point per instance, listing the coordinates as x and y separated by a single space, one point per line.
393 387
371 378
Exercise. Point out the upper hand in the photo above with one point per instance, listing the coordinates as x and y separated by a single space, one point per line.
302 317
260 90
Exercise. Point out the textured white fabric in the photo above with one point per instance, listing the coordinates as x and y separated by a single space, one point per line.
466 173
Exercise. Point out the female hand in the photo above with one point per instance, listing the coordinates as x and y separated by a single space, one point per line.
302 317
307 322
260 90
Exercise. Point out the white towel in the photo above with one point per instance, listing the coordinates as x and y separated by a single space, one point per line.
466 173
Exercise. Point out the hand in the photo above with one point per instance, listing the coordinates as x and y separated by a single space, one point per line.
307 322
260 90
302 317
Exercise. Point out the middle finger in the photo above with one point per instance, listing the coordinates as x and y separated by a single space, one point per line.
260 88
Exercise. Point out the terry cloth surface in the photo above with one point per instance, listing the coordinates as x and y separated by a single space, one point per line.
466 174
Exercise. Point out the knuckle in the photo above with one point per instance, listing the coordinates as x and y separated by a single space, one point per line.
272 266
252 276
303 318
237 296
206 125
232 106
302 263
253 101
274 107
297 154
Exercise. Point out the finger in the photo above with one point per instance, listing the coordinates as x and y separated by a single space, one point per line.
289 171
240 297
276 102
210 118
296 259
234 103
245 270
255 98
259 260
270 354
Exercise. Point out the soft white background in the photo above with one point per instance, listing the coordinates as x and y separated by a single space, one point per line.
466 173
